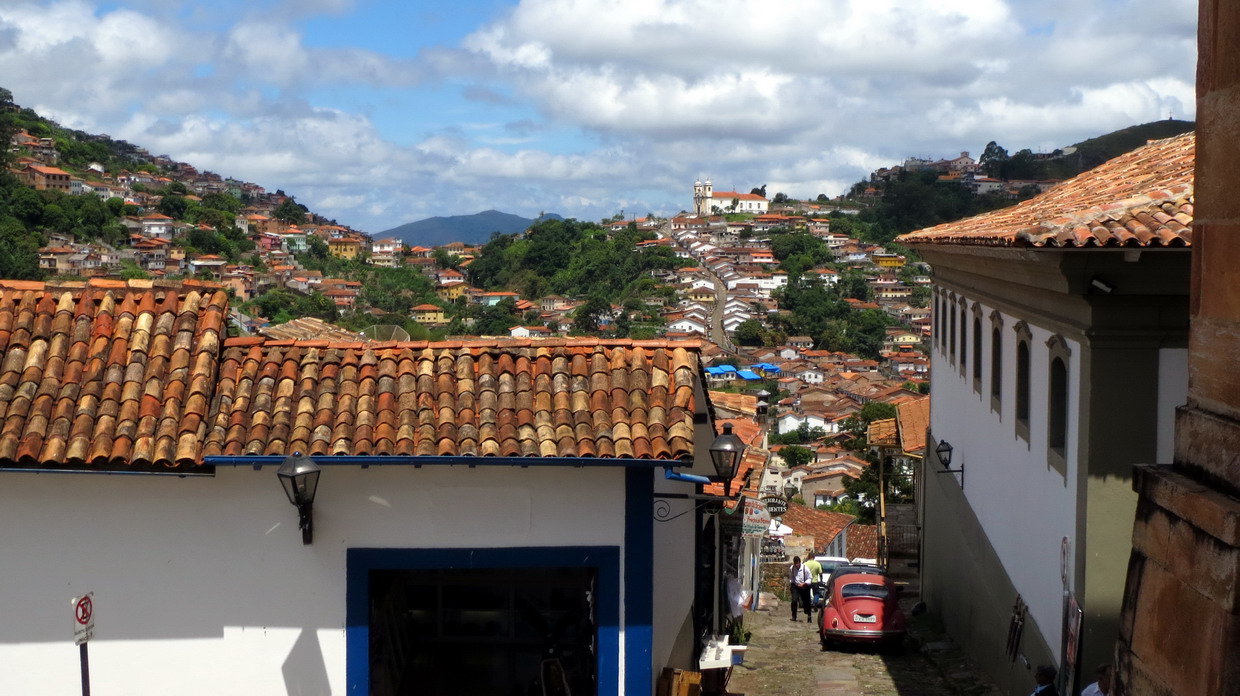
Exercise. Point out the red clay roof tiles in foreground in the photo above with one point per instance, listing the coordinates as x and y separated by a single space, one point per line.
567 398
106 375
1140 199
134 376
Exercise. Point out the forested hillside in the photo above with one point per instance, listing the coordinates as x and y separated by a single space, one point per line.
572 258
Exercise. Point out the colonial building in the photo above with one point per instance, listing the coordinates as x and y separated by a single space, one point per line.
481 505
1059 356
707 201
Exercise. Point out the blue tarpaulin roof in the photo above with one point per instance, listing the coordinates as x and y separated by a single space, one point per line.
747 374
768 367
720 370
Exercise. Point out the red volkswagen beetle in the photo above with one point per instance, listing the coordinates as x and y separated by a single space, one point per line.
862 608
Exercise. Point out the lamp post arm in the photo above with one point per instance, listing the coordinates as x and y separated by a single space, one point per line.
305 517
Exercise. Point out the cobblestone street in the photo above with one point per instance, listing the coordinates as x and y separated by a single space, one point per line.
786 659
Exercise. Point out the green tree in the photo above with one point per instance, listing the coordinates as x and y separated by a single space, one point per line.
290 212
19 251
173 206
749 333
795 455
8 127
994 160
316 248
588 316
130 271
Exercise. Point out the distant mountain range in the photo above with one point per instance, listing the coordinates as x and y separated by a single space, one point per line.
469 229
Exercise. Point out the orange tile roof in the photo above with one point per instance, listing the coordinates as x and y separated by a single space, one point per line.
824 526
557 398
882 433
136 376
1142 198
310 328
862 541
914 418
741 403
106 375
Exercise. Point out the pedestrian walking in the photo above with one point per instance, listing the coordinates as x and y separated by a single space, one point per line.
1044 677
798 584
1102 685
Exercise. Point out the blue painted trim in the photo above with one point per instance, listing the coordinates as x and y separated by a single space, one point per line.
359 563
638 582
259 461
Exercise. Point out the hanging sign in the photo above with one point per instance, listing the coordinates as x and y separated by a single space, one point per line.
775 505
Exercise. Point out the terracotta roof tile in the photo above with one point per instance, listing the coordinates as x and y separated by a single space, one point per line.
882 433
1143 198
913 418
106 375
449 399
140 377
862 541
822 525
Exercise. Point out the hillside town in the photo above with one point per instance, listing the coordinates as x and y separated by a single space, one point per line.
648 459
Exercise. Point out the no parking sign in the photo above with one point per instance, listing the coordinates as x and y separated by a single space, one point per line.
83 618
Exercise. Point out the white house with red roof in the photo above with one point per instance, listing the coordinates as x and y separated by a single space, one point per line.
706 200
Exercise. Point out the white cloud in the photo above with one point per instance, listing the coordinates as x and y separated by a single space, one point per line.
585 107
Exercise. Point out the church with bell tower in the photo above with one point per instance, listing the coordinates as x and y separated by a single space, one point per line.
702 195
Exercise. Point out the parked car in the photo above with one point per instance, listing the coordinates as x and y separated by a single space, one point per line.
862 607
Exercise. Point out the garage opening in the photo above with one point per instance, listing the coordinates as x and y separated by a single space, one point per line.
497 631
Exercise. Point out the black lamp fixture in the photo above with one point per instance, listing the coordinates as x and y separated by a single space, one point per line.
944 452
790 489
300 477
725 454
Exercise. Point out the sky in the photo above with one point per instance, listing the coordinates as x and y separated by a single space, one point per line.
381 112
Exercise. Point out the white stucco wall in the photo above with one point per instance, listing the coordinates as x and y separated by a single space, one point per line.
202 585
1025 507
1172 392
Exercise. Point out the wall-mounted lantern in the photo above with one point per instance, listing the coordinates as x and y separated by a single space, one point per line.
300 477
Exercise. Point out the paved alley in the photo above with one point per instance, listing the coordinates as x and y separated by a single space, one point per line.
786 659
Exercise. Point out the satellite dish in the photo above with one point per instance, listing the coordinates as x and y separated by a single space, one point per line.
385 332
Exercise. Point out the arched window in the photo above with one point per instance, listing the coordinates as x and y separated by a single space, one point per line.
1022 379
964 338
996 362
977 349
1057 411
951 331
1057 405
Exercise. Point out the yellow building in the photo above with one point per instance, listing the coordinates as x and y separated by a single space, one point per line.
345 247
451 291
888 260
429 314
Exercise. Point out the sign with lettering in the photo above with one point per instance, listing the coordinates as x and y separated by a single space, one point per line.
775 505
757 519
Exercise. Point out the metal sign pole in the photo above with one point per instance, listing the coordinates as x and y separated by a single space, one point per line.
85 670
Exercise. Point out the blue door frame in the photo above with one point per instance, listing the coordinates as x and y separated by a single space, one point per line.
606 561
638 582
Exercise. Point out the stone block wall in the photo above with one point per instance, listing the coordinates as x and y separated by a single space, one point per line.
1180 627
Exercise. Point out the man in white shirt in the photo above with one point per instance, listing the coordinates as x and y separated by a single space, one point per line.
1102 687
798 584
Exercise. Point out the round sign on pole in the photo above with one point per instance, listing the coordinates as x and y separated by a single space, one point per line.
83 618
